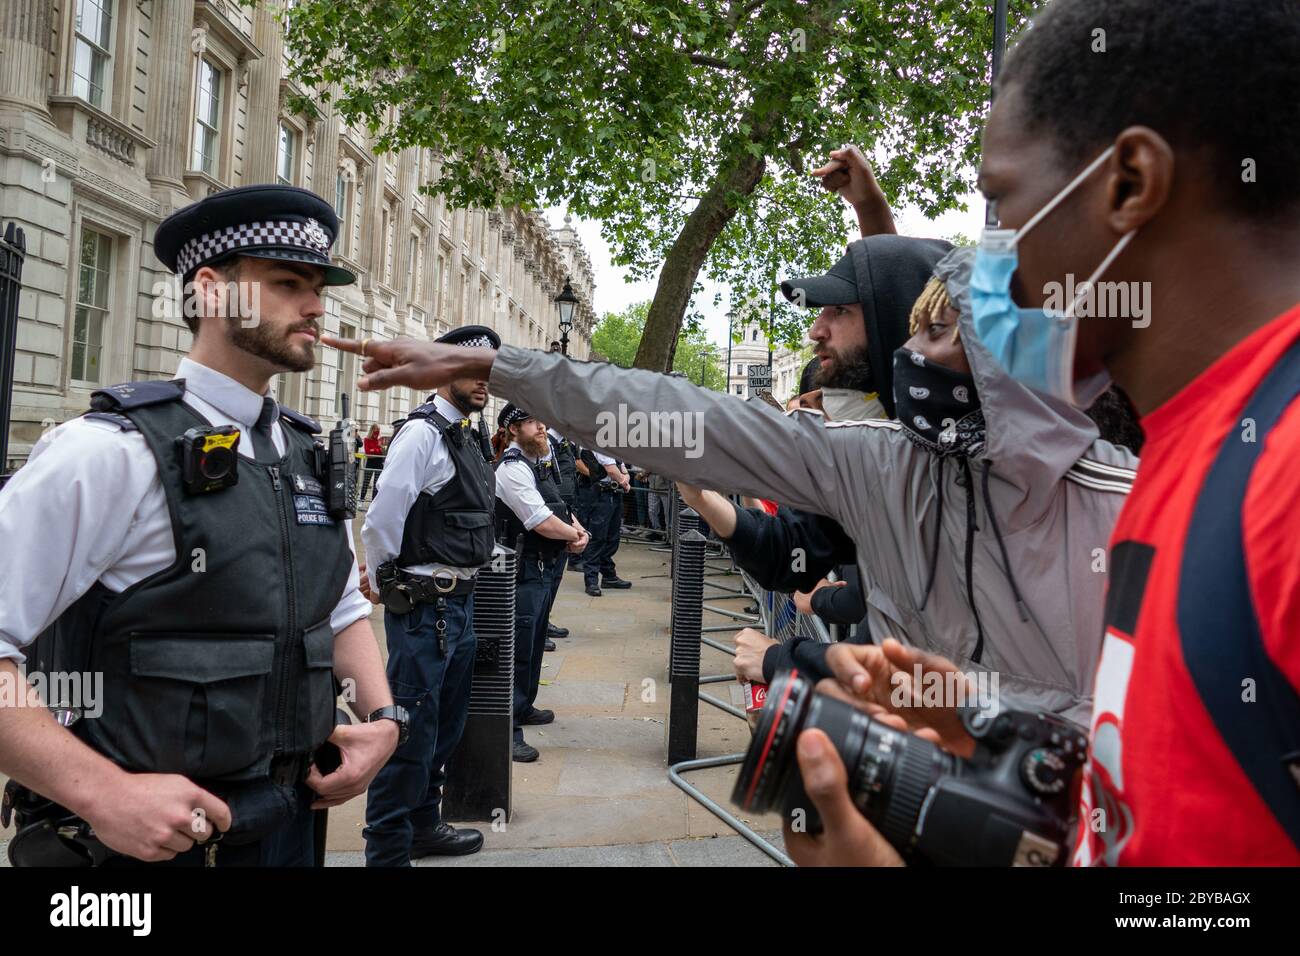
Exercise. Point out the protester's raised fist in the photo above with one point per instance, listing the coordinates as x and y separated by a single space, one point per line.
849 174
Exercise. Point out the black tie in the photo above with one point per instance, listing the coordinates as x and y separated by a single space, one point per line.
263 446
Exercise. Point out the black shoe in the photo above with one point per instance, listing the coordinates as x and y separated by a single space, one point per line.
446 840
549 645
553 631
616 583
536 716
593 590
523 753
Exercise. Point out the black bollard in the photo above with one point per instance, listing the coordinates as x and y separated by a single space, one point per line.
684 671
687 519
478 773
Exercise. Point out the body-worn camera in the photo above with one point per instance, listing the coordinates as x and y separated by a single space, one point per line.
1008 805
209 458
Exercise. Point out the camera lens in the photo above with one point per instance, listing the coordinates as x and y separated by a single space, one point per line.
890 772
216 463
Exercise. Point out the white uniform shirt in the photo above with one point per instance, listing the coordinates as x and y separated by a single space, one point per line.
89 506
417 461
517 487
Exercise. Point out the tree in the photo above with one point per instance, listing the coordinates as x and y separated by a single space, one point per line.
684 126
618 335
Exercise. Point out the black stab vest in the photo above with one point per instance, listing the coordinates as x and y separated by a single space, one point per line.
510 528
452 528
215 665
564 453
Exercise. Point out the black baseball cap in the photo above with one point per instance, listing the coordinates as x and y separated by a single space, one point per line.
837 287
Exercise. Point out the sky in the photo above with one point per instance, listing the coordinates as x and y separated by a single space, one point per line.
614 295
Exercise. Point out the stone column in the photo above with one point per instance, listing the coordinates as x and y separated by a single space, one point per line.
25 29
262 139
325 157
171 76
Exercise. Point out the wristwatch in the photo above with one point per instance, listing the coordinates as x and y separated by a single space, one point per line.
398 715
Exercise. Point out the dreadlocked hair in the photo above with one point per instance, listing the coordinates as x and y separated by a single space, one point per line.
930 307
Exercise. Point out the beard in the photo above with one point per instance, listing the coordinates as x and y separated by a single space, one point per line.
272 344
847 370
466 400
537 446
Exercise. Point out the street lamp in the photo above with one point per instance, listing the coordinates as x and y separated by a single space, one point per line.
567 302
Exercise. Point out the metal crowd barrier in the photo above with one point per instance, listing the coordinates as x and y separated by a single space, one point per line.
775 615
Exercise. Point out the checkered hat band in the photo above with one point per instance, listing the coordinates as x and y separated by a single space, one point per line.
516 415
478 342
308 236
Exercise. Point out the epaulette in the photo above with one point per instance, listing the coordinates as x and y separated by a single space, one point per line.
298 419
121 421
422 411
511 454
131 395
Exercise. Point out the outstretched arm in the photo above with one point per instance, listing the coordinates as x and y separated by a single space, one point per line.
660 422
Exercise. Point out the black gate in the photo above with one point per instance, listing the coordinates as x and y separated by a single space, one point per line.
13 250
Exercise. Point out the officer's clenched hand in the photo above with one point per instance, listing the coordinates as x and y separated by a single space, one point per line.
365 749
154 816
580 545
417 364
366 590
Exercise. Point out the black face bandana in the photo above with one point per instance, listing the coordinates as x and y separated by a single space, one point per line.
937 407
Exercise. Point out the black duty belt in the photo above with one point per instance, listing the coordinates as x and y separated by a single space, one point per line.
423 589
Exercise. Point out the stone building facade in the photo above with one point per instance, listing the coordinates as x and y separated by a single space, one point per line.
114 113
751 348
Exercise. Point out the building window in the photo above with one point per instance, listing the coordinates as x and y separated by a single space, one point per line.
342 206
287 157
413 265
92 66
91 315
740 369
207 122
439 286
386 237
347 371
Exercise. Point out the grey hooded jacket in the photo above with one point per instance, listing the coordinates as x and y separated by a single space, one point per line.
1055 489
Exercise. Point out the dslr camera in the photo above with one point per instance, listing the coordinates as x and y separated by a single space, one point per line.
1007 805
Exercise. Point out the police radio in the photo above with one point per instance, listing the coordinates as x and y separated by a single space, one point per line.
209 458
484 442
340 478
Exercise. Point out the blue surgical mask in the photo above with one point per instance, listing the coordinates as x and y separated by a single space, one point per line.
1035 346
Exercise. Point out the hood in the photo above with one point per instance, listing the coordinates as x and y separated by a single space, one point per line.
851 405
1032 439
891 274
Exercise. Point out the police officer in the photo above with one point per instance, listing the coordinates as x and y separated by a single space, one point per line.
184 542
564 458
533 518
606 481
426 535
